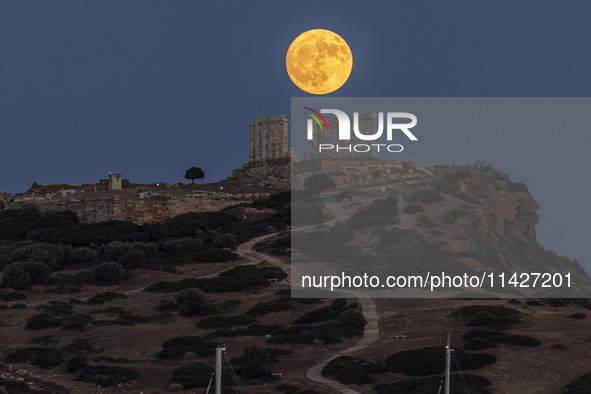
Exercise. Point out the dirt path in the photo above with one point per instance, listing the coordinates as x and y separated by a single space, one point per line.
371 331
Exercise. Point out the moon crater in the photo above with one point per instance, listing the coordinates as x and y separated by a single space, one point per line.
319 61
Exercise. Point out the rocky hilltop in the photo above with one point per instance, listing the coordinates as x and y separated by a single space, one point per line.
457 218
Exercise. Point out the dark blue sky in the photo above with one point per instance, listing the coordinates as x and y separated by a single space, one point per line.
150 88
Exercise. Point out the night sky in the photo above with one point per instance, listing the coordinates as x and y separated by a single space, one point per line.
150 88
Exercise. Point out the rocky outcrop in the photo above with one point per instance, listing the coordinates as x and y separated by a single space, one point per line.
506 207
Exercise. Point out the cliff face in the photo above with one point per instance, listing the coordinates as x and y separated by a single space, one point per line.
507 207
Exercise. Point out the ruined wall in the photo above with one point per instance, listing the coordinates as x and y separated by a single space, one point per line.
140 210
158 209
269 174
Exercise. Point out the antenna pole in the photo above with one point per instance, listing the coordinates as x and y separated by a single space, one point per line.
447 364
218 369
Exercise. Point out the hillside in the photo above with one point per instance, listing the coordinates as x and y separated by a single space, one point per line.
116 307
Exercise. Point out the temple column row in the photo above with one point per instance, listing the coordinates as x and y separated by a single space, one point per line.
269 139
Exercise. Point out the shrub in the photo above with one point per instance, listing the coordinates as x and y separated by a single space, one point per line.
42 321
464 383
192 302
193 375
81 346
111 273
167 306
45 340
7 296
225 240
177 347
254 359
134 258
499 317
380 212
520 340
428 361
517 187
46 358
582 384
50 255
577 316
102 298
22 275
349 370
263 308
413 208
353 317
76 363
82 255
427 196
106 375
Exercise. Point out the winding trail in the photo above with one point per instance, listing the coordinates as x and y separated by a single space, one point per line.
371 331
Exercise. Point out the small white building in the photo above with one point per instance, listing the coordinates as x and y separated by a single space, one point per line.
115 181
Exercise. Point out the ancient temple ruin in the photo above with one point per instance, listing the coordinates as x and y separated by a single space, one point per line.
269 138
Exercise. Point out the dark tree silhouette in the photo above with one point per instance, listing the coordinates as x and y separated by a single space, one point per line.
318 182
194 173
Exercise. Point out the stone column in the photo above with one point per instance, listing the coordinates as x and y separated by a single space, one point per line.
285 138
276 139
251 154
257 147
265 149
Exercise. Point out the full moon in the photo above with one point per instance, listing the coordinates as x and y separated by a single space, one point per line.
319 61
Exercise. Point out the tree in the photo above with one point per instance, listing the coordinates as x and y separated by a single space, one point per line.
111 273
318 182
194 173
192 302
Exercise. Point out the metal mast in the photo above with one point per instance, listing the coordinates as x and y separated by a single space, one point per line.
218 369
448 351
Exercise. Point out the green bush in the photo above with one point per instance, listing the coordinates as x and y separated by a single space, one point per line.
167 306
107 274
429 361
499 317
50 255
263 308
474 383
577 316
22 276
43 357
194 375
413 208
177 347
81 347
76 363
353 317
380 212
192 302
106 375
82 255
134 258
427 196
102 298
580 385
225 240
349 370
42 321
8 296
45 340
